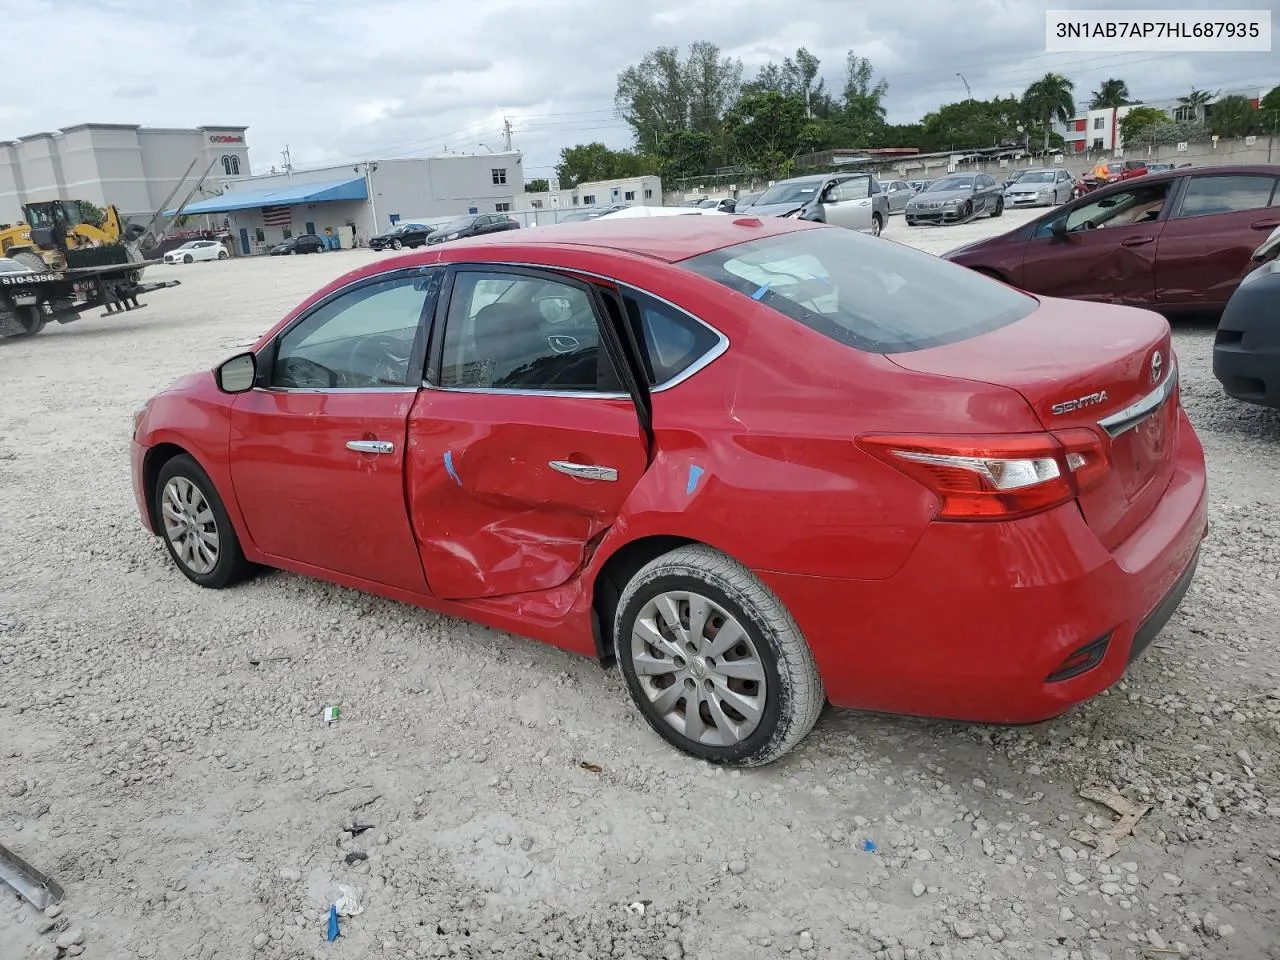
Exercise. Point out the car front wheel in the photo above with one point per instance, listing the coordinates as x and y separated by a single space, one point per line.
195 527
999 207
715 663
188 259
396 244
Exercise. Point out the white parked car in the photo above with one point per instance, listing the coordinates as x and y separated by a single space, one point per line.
194 250
628 212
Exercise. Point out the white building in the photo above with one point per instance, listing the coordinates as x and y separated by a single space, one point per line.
357 201
549 207
1099 130
133 167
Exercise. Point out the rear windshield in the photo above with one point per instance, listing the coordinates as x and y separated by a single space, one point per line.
869 293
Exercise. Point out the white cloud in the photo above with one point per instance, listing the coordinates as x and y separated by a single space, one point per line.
402 77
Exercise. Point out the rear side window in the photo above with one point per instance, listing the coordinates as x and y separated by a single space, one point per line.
1209 195
673 341
867 293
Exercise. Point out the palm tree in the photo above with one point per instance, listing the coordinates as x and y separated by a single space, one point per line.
1234 117
1112 93
1049 99
1193 104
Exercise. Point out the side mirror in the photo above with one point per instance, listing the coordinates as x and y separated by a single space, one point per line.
1059 229
238 374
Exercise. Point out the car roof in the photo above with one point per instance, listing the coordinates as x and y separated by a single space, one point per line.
669 239
1238 169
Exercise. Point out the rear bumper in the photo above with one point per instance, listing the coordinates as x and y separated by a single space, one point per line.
981 616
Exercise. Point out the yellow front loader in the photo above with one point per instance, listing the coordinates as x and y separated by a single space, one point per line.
56 236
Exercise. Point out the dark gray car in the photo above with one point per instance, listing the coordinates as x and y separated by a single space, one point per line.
852 200
957 198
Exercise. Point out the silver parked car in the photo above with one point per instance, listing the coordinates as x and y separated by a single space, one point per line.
899 192
1039 188
852 200
956 198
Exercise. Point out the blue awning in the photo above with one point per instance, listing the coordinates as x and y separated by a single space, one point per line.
353 188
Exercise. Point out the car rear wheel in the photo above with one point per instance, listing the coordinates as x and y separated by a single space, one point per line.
715 663
195 527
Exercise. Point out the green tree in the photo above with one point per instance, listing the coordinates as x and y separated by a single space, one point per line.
684 154
971 124
536 186
795 78
1135 123
663 94
594 161
769 130
862 110
92 213
1234 116
1049 99
1112 93
1269 107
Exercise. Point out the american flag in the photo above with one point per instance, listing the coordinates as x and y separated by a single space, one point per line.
277 216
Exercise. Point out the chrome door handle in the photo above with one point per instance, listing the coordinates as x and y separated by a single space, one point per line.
583 471
371 446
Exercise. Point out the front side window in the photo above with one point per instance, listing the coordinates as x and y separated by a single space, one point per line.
517 331
873 296
1231 194
1140 204
857 188
360 339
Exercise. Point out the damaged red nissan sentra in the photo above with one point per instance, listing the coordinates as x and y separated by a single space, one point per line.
763 463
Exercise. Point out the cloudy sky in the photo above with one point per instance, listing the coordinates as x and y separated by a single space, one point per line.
379 78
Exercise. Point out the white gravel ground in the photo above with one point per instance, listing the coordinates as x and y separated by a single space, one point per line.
183 788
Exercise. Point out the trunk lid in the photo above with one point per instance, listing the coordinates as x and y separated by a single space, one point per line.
1085 365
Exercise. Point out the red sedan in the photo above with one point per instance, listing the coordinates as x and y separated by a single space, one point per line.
763 463
1174 241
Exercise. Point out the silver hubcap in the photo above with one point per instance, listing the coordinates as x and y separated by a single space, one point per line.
189 525
699 668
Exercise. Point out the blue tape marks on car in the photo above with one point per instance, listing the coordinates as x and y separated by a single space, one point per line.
695 473
448 465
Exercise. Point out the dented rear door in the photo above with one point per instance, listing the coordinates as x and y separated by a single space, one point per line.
524 445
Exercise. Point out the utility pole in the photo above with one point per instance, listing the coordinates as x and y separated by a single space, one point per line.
368 185
968 94
506 134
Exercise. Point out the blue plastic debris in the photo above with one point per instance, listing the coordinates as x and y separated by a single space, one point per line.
764 288
332 933
448 465
869 846
695 474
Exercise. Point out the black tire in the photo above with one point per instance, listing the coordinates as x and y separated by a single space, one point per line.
29 259
32 319
877 225
188 258
230 565
910 222
967 212
396 244
793 696
222 254
999 207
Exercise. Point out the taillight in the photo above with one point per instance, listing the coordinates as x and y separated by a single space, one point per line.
997 477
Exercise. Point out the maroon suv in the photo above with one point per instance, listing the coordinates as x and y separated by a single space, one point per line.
1173 241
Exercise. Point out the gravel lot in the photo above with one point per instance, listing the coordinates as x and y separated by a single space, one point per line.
162 752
